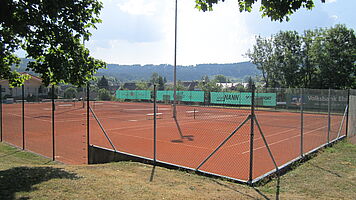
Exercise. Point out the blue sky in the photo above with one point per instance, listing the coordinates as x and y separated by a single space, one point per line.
142 31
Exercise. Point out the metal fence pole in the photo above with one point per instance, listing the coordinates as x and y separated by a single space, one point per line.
301 123
329 117
347 112
23 116
88 124
175 63
0 113
252 132
154 125
53 136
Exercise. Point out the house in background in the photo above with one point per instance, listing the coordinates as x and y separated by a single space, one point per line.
33 88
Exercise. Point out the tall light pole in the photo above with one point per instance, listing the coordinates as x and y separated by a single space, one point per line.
175 65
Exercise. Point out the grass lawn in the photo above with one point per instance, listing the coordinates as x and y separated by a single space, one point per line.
331 174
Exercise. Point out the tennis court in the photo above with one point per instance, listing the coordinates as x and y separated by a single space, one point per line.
198 131
211 139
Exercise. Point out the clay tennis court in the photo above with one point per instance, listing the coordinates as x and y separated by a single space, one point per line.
185 142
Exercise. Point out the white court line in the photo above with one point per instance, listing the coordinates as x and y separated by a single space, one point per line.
164 141
278 133
39 119
279 141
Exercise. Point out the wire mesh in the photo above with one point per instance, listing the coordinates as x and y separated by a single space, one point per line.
197 131
352 114
126 121
12 115
38 120
211 131
338 103
70 127
281 127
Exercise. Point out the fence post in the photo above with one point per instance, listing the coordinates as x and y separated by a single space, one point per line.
154 125
347 112
88 124
329 117
301 123
23 116
252 132
53 137
0 113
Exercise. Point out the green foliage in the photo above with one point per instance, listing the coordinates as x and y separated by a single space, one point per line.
52 34
220 78
210 86
103 83
104 95
158 80
70 93
276 10
142 85
321 58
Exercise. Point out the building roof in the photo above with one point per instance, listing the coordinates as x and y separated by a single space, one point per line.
33 77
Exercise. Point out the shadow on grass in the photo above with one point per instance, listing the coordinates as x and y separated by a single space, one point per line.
247 196
22 179
325 170
10 154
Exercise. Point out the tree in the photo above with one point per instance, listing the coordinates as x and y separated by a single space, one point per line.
287 52
276 10
220 78
70 93
262 56
154 78
104 94
333 54
52 33
160 83
141 85
103 83
158 80
321 58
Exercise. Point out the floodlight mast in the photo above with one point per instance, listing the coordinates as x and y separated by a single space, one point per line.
175 66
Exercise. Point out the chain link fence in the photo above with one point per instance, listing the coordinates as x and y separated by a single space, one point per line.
243 136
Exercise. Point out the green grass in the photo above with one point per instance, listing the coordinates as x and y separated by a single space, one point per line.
331 174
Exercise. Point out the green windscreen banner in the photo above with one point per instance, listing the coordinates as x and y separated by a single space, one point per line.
134 94
187 96
243 98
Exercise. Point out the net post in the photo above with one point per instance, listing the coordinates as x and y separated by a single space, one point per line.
88 124
0 113
252 133
301 123
23 116
53 137
154 125
347 112
329 116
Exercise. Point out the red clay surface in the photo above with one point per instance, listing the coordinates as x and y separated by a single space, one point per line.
203 128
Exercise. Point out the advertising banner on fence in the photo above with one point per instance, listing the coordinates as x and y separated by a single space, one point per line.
243 98
317 101
134 94
187 96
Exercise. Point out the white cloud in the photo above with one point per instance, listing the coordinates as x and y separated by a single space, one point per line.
220 36
330 1
138 7
334 17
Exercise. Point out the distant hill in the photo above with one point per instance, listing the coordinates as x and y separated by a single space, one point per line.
185 73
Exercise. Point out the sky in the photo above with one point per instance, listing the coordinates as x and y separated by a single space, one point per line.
142 31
